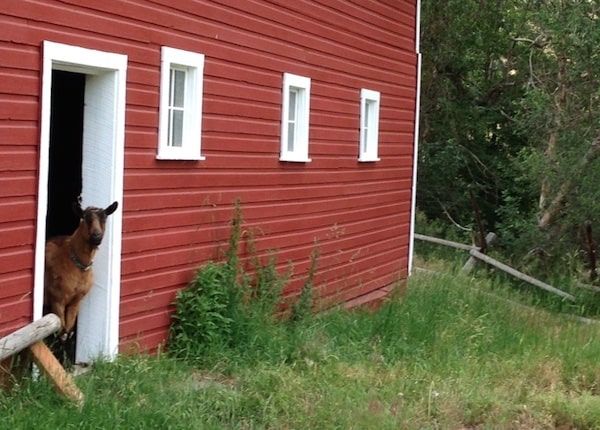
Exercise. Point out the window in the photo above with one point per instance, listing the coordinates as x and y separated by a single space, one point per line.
294 118
180 125
369 125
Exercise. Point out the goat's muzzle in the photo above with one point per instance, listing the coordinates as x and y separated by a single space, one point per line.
95 239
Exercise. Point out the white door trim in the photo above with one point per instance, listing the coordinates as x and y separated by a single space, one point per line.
102 182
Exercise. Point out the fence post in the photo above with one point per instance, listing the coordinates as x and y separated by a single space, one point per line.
489 239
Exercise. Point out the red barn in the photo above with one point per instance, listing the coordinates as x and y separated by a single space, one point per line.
306 111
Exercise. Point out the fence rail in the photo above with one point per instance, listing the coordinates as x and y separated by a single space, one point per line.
475 253
31 336
28 335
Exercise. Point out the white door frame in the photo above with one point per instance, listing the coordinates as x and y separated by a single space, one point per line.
102 183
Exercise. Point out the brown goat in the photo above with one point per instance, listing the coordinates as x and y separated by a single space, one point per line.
68 276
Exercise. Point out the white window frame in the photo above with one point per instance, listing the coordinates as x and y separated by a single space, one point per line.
193 64
298 150
369 125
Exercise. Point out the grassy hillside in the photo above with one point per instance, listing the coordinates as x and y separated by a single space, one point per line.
453 353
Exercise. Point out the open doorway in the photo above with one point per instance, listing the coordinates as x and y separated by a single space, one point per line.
65 151
81 155
64 171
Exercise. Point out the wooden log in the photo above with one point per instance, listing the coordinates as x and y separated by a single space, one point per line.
489 239
63 383
594 288
519 275
444 242
31 333
31 336
591 250
477 214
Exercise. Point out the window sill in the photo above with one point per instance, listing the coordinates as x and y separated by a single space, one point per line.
295 160
368 159
180 157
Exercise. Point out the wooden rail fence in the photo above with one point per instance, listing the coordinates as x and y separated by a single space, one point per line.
475 253
31 336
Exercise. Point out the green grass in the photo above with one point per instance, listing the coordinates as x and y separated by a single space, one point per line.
453 353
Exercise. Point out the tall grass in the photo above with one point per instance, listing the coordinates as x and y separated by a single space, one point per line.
453 353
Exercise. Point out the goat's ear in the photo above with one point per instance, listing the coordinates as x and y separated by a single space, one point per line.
113 207
77 209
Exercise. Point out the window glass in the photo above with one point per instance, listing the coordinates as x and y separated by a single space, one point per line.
177 87
292 119
176 107
176 134
366 127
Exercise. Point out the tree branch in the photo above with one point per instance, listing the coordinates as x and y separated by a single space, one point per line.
450 217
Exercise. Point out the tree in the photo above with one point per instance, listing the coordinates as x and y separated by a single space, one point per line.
558 111
469 86
510 91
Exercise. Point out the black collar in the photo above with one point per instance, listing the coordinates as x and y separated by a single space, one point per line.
79 264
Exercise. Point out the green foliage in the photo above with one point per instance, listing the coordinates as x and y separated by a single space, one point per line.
509 95
235 304
203 317
468 93
556 113
303 306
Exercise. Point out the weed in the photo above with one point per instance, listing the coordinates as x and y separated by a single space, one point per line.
203 317
303 306
232 305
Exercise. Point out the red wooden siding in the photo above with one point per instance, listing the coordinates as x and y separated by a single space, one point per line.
176 213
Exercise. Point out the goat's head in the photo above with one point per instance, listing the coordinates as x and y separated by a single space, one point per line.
93 222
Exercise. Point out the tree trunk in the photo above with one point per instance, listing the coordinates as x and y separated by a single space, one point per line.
558 203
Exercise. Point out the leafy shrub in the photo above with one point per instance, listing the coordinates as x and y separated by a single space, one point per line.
234 304
202 318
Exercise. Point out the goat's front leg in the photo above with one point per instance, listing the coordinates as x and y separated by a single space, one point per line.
71 311
58 308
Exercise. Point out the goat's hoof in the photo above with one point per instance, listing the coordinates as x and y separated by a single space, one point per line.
66 336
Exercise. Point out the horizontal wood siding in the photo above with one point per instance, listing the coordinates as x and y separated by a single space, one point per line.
19 88
176 213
